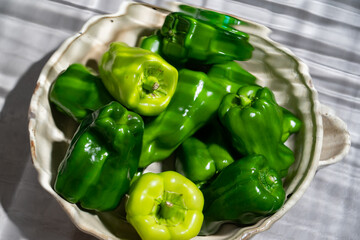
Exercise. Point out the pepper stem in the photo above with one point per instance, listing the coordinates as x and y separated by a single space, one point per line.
268 179
245 101
167 210
150 84
172 209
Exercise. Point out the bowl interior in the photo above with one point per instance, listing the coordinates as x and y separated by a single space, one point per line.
273 65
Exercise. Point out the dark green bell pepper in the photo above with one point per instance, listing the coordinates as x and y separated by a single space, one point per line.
195 102
243 193
78 92
186 38
255 122
220 20
102 158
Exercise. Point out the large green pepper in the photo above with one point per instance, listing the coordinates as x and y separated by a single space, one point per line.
165 206
188 39
194 103
138 78
255 122
243 193
78 92
102 158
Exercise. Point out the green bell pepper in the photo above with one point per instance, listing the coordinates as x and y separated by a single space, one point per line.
139 79
291 124
200 160
102 158
231 71
188 39
255 122
194 103
78 92
220 20
151 43
243 193
194 161
215 137
165 206
221 156
205 154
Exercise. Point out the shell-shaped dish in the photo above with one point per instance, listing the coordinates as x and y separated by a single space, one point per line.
274 66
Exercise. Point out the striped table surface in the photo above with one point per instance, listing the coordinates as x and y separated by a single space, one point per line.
325 34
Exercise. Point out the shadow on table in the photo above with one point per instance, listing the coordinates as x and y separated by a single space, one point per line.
34 212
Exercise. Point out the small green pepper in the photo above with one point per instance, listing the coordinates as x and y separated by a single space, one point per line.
165 206
102 158
194 161
78 92
231 71
243 193
151 43
218 144
139 79
255 122
291 124
189 39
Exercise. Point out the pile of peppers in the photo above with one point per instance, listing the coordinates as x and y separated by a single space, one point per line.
181 96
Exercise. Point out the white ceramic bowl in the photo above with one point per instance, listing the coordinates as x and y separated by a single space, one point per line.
273 65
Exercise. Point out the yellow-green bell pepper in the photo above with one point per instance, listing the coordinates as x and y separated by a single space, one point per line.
165 206
138 78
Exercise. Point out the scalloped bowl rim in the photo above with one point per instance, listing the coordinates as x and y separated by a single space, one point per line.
246 232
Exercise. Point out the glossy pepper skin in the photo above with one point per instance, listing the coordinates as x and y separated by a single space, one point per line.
165 206
231 71
139 79
102 158
194 103
151 43
220 20
189 39
291 124
195 161
78 92
255 122
216 139
243 193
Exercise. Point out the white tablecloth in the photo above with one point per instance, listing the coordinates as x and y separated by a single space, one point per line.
325 34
